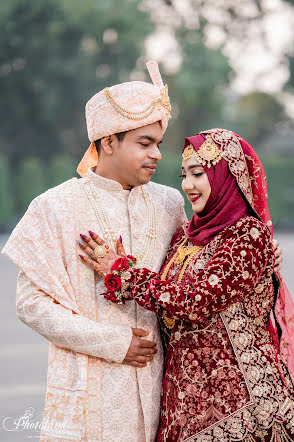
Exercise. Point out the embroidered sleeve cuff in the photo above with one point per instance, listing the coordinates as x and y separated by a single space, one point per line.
117 340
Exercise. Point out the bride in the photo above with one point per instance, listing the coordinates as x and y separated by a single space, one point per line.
227 369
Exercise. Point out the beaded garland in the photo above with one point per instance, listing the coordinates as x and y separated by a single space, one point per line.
110 236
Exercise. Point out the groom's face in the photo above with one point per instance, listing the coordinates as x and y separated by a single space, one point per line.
135 158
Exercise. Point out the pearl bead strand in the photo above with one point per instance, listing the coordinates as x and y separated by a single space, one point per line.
146 257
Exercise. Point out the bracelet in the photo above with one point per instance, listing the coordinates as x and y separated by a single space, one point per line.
118 281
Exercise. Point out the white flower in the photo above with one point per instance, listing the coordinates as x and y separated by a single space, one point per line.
254 233
245 274
193 316
126 276
177 336
213 280
259 288
243 253
234 325
181 395
218 432
257 391
164 297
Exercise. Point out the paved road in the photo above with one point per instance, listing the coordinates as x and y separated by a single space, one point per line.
24 355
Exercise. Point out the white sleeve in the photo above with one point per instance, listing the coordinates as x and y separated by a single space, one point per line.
67 329
182 214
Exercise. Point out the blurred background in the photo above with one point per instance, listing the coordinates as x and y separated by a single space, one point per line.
227 63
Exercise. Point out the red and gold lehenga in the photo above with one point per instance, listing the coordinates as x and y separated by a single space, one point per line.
225 379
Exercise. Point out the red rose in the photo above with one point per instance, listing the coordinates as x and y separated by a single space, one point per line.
112 282
132 258
112 297
120 264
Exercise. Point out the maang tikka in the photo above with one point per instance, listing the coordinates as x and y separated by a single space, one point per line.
209 152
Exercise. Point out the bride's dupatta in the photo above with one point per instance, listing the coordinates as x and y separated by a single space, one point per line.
248 171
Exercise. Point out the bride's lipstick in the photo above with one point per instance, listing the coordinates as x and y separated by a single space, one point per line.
194 197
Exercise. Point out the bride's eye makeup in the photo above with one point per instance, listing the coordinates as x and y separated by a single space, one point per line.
194 174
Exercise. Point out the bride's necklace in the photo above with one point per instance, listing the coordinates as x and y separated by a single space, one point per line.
181 254
108 233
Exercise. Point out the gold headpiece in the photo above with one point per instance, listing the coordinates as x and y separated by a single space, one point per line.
188 152
208 153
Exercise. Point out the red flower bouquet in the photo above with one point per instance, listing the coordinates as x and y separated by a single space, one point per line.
119 280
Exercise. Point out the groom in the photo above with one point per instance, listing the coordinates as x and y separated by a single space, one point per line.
105 360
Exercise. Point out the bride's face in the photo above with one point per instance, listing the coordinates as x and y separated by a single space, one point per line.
195 184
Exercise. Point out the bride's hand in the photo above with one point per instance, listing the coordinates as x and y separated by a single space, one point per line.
99 255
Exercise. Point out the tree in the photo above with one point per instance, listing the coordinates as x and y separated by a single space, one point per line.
54 55
31 181
61 168
255 115
6 194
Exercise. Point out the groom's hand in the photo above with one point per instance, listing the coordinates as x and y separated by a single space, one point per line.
278 255
140 350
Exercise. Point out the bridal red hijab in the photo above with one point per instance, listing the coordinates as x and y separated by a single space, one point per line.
238 188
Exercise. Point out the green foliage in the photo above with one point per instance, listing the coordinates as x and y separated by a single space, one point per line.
6 194
61 168
255 114
54 55
198 90
279 172
31 181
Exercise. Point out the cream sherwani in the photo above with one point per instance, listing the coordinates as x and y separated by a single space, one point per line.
91 396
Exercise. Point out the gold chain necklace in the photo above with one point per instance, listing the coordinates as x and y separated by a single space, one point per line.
108 233
178 259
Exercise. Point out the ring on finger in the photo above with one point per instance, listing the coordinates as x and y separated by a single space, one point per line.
100 251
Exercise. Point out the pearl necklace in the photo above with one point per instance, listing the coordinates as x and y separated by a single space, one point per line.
145 258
